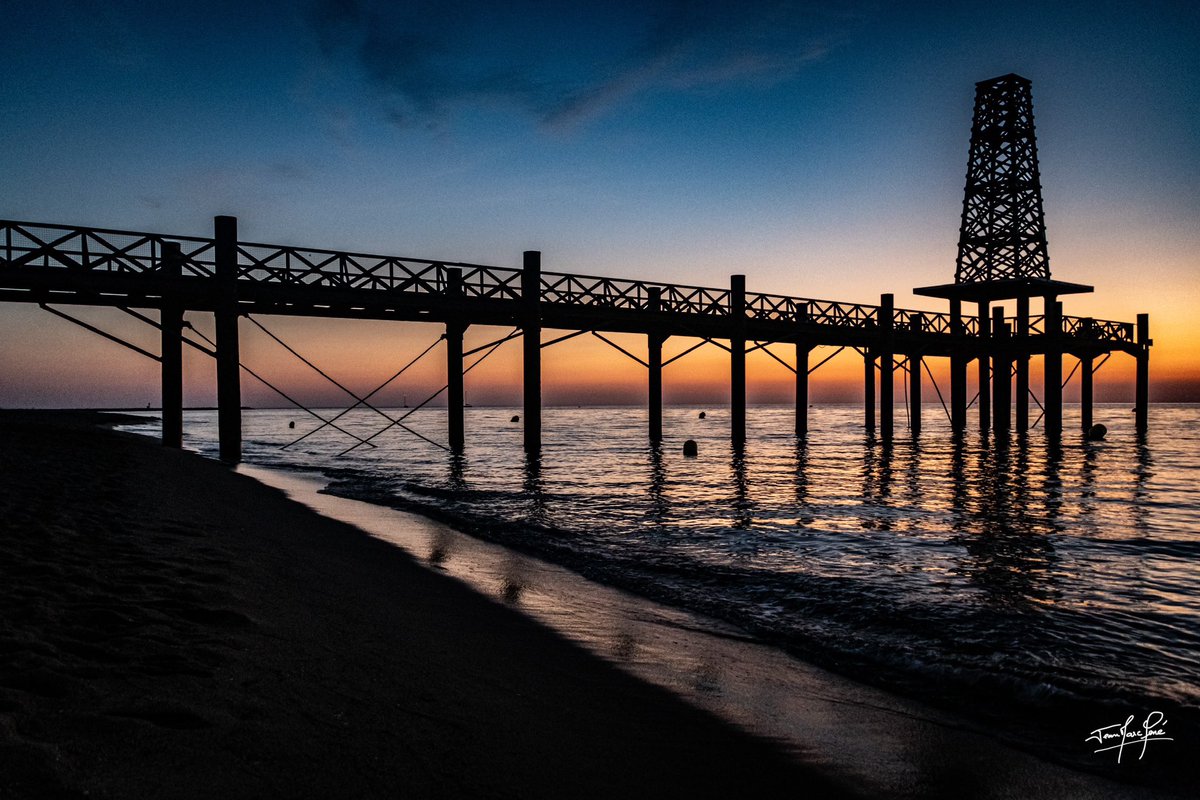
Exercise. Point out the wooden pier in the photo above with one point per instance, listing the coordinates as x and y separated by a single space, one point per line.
58 265
1002 256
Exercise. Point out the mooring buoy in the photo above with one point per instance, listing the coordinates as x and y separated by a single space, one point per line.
1097 432
690 449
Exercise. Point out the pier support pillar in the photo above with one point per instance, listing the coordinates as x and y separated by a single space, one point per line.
737 358
958 370
531 293
803 348
914 378
869 391
171 326
1001 372
1053 367
1142 405
229 386
887 366
1021 398
983 355
654 346
455 387
1086 371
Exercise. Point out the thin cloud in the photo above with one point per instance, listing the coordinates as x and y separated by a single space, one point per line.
562 65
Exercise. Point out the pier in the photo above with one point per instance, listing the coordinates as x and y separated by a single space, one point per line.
1002 257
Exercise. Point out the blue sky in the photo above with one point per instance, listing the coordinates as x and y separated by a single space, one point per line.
819 148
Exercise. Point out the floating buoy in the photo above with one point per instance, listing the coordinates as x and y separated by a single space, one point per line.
702 415
690 449
292 424
515 418
1097 432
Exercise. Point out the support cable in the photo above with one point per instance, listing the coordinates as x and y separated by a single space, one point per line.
423 403
358 400
937 389
788 366
678 356
618 347
546 344
271 386
99 332
370 394
826 359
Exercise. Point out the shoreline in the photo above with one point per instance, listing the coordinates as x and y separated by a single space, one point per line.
306 602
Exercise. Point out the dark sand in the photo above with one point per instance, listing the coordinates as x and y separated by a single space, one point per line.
169 628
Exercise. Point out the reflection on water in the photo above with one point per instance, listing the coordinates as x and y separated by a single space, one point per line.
934 561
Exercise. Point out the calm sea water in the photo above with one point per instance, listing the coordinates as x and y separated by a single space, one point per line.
998 573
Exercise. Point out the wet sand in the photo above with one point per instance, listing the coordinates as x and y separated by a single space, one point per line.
171 628
174 629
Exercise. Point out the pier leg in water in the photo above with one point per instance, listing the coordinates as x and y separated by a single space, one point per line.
1021 398
737 358
531 291
654 346
887 367
455 389
171 328
958 370
869 392
1053 368
983 354
1001 373
1142 408
803 348
914 379
229 386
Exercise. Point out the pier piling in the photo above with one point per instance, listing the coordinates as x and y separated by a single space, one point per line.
1021 357
229 386
455 387
985 391
1142 407
531 291
914 378
1001 374
737 358
887 366
1053 367
803 348
171 329
654 346
958 369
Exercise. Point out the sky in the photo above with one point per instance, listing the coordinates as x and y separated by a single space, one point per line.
818 148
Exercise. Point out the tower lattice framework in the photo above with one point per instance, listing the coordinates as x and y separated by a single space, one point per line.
1003 233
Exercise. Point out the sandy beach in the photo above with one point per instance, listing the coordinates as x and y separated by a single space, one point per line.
172 628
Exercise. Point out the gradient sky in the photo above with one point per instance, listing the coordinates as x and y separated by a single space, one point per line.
819 148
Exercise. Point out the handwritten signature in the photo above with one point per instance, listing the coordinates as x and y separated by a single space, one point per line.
1116 737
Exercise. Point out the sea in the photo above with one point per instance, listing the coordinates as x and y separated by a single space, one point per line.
1035 588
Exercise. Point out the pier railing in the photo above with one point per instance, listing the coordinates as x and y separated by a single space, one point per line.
28 246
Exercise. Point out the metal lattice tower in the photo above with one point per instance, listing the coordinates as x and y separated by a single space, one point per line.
1003 234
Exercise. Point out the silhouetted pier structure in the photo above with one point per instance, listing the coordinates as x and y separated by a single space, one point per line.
1002 256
